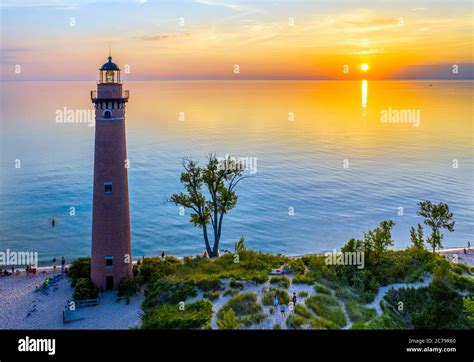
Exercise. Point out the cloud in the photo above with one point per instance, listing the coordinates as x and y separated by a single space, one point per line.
435 71
57 4
159 37
235 7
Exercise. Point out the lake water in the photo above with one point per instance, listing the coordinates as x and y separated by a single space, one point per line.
300 162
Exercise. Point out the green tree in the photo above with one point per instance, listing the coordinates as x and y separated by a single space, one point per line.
416 237
379 239
353 245
220 179
437 217
228 320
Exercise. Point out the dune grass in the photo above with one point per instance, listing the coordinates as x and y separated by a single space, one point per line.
359 313
280 281
283 297
327 307
245 307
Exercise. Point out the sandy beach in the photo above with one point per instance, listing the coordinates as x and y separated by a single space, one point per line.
457 254
23 308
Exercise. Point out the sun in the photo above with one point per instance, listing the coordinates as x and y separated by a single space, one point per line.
364 67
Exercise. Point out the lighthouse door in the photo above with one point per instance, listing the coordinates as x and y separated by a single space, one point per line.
109 282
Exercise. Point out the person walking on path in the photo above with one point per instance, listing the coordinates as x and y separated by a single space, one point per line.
283 310
63 264
294 299
275 303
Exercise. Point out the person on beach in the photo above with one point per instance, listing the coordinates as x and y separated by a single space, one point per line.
63 264
283 310
465 252
163 255
53 222
275 303
54 263
294 299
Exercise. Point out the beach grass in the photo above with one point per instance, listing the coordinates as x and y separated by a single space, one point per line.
327 307
359 313
245 307
172 316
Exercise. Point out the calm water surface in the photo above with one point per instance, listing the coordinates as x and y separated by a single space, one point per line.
299 162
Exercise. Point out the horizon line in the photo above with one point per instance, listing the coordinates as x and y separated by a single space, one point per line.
244 79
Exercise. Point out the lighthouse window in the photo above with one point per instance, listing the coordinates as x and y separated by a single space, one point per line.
108 187
107 114
109 261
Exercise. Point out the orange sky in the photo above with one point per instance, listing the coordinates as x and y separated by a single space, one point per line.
205 39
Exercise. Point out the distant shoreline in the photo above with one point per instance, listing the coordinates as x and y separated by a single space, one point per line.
50 267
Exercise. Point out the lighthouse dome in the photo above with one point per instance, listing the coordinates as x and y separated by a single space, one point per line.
110 66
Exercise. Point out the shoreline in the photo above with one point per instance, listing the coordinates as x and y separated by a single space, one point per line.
50 267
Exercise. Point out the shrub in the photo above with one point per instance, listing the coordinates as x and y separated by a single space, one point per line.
468 310
321 288
437 306
242 304
283 297
169 316
234 284
245 307
230 292
323 298
328 308
280 281
157 268
128 287
303 279
276 326
209 284
240 245
296 265
346 293
359 313
258 278
164 291
228 320
302 311
295 321
84 289
320 323
79 269
303 294
135 268
211 295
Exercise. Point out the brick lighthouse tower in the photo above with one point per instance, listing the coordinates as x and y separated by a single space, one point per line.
111 241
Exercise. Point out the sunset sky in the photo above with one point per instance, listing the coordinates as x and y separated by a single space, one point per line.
69 40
